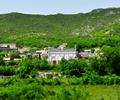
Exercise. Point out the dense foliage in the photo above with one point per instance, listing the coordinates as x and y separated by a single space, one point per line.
73 67
7 70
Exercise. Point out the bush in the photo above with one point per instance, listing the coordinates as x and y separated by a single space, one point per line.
41 64
7 70
73 67
111 79
30 67
14 54
35 91
25 69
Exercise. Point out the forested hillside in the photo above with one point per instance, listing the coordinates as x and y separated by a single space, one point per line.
44 30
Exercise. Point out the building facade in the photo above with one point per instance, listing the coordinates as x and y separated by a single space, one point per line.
55 56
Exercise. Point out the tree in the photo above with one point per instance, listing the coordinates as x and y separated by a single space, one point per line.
95 65
73 67
110 58
25 69
30 67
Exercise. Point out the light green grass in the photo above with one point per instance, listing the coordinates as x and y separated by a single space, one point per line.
102 92
91 92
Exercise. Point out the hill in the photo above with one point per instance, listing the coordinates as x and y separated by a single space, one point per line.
44 30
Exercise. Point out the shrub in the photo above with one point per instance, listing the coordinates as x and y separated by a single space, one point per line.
73 67
7 70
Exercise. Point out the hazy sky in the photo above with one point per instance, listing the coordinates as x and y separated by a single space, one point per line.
54 6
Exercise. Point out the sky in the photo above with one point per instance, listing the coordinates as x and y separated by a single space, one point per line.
46 7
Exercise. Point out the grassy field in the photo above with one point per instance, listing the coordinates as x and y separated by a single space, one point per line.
90 92
30 89
102 92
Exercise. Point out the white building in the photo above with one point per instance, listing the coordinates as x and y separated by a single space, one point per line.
89 53
55 55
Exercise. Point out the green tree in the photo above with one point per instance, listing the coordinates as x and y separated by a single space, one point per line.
25 69
73 67
110 58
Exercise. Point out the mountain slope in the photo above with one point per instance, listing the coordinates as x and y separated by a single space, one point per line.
40 28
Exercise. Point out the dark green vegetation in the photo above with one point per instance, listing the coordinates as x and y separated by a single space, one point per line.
42 31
